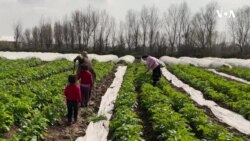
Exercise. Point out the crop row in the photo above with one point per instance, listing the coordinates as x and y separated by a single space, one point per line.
24 110
232 94
7 65
168 124
22 76
200 123
125 124
38 104
239 72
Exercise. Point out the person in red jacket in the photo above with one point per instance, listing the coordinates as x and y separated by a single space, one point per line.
86 84
73 98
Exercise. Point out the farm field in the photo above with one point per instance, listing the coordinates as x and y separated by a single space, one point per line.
33 106
32 98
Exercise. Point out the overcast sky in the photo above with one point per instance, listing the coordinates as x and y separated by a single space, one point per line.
29 12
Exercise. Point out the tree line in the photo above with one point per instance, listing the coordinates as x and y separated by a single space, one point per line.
177 32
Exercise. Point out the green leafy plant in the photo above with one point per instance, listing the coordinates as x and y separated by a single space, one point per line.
215 87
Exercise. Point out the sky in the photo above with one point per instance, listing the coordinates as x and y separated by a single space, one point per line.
30 12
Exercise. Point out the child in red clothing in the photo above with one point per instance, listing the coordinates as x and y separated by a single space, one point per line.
73 98
86 84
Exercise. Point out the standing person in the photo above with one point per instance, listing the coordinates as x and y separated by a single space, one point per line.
86 84
83 59
153 64
73 98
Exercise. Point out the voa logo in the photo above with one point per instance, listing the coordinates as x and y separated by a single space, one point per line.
225 13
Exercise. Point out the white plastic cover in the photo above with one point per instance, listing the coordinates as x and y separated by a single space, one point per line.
54 56
224 115
229 76
127 59
208 62
98 131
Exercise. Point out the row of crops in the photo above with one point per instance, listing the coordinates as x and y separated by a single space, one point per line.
239 72
171 114
32 97
32 100
7 65
231 94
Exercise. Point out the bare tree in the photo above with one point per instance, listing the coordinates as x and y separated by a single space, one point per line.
144 25
78 26
130 21
27 37
95 21
66 32
113 35
203 26
110 26
239 28
104 21
184 24
121 41
46 34
154 23
35 36
132 29
177 25
171 19
89 25
58 34
17 34
136 31
72 34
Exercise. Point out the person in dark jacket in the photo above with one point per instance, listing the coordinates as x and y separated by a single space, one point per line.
86 84
153 64
73 98
83 59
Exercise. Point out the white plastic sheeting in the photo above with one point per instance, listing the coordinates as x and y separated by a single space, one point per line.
226 116
98 131
229 76
103 58
127 59
54 56
243 63
208 62
203 62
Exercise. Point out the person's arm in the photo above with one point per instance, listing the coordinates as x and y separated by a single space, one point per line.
77 59
78 76
79 94
148 63
93 74
90 80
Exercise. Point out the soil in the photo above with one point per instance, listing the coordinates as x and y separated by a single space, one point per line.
10 133
63 132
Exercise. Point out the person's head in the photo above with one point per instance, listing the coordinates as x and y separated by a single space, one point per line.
84 67
72 79
144 57
84 54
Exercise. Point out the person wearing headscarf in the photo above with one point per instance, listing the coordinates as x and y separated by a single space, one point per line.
83 59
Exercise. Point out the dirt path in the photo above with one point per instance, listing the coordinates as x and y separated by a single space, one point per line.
62 132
